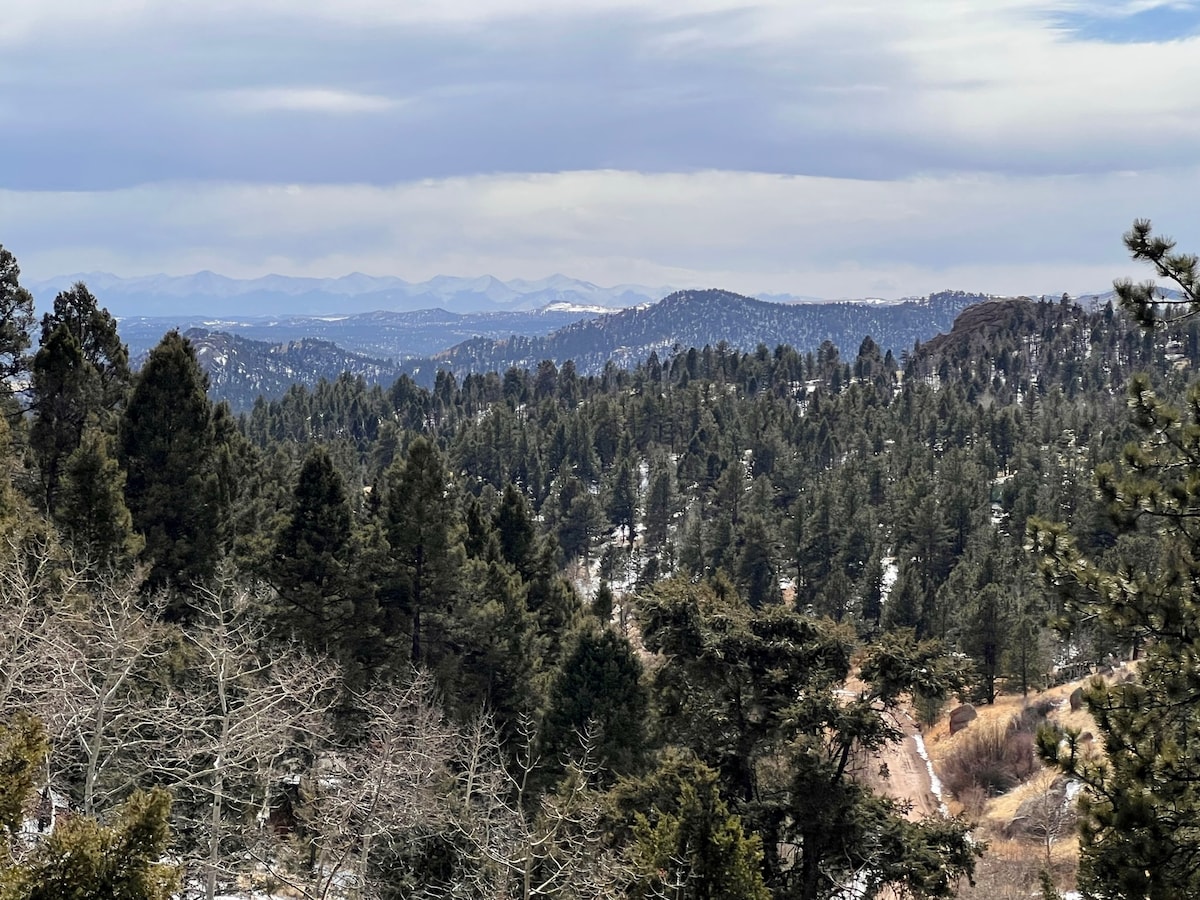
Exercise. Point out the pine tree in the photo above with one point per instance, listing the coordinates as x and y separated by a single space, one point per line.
23 748
496 663
745 688
63 393
79 859
622 499
311 564
598 694
167 445
91 504
80 374
515 528
16 320
423 532
1138 813
687 842
84 860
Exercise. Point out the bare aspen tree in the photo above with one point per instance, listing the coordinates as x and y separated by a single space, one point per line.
248 711
366 797
113 720
28 601
79 652
553 848
1050 813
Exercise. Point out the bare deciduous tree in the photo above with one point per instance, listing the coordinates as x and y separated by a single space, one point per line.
248 712
366 797
554 847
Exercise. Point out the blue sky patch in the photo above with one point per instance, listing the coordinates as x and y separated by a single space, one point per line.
1158 24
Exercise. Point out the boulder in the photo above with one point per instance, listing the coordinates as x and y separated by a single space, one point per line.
1076 699
961 717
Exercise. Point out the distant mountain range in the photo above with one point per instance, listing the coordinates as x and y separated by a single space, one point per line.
697 319
209 294
240 369
300 350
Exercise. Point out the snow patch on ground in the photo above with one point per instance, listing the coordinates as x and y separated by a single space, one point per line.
935 783
890 571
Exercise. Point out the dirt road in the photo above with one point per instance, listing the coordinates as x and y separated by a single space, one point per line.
908 777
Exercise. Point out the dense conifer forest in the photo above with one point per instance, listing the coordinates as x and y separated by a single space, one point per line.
537 633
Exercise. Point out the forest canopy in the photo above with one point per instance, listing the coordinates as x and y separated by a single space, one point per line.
539 634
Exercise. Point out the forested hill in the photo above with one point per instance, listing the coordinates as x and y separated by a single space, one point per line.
706 318
240 370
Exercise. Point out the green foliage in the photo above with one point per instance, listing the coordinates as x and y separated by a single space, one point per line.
91 504
80 374
755 694
23 748
598 695
1138 814
16 320
496 664
168 446
423 534
84 860
687 843
312 565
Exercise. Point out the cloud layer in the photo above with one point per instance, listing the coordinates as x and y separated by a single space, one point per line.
816 148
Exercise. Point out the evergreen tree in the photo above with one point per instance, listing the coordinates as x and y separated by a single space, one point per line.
168 449
23 748
743 688
659 507
597 694
516 530
622 499
84 860
424 536
80 373
16 320
311 567
91 504
79 859
689 844
756 573
496 663
1138 812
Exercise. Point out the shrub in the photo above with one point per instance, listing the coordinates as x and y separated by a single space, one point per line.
991 756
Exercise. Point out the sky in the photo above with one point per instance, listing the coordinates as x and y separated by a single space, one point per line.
835 149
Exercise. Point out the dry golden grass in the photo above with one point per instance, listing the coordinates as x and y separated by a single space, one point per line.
1010 867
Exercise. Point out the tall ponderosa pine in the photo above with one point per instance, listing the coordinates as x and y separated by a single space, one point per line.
167 444
423 532
311 568
1139 812
80 373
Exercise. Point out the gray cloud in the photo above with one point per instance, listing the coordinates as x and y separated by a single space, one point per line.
610 139
744 231
869 94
